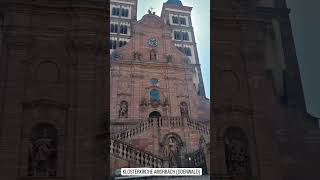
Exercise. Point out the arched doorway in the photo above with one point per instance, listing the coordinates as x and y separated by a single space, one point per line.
154 114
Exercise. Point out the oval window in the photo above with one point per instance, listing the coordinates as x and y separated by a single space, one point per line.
154 95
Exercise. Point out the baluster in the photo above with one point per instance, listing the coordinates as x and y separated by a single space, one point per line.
149 161
124 151
154 162
120 149
138 157
143 159
159 163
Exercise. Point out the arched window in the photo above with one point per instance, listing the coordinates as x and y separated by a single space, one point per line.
123 111
184 109
154 95
236 152
43 151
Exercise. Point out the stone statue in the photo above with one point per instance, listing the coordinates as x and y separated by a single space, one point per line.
184 109
153 55
169 58
123 112
172 152
42 155
237 157
136 56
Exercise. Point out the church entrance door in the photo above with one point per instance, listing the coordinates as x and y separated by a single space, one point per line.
154 114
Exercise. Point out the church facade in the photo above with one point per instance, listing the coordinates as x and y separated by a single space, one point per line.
53 92
159 117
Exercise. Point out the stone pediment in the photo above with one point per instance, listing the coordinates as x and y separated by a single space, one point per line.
138 49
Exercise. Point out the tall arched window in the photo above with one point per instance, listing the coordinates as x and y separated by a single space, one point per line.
123 111
43 151
237 152
154 95
184 109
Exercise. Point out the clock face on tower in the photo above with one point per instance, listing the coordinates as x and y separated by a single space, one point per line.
152 42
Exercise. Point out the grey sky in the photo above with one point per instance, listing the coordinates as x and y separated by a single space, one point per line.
201 23
306 29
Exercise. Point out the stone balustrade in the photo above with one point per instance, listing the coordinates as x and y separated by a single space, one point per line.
127 152
172 122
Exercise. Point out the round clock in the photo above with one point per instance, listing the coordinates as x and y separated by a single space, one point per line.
152 42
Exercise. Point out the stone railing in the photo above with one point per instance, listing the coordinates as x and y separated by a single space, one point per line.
127 152
173 122
203 129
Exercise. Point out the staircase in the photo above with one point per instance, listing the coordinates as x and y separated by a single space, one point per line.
140 157
173 122
123 150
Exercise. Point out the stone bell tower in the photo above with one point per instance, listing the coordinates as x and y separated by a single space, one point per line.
178 17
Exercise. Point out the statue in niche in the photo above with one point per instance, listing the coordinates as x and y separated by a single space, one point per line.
169 58
184 109
42 155
153 55
172 152
237 156
143 104
137 56
123 111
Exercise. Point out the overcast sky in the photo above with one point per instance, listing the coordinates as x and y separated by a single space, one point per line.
200 16
306 29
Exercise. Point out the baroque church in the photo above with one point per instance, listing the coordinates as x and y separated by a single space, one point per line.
159 115
55 95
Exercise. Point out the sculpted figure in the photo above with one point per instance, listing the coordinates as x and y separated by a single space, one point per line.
42 156
123 112
184 109
171 152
